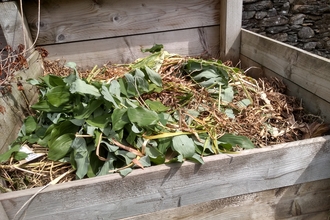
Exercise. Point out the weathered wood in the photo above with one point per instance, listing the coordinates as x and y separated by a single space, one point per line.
15 104
76 20
169 186
14 27
128 49
3 214
311 103
3 41
230 29
307 70
303 201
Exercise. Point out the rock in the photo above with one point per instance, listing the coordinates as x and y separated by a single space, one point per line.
293 38
297 19
282 37
248 14
306 32
277 29
260 15
258 6
274 21
309 46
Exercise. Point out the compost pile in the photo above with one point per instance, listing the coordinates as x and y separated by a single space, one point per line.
163 108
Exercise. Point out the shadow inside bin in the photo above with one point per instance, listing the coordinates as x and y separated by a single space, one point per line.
307 198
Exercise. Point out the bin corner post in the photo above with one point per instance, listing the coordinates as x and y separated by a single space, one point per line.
14 28
230 29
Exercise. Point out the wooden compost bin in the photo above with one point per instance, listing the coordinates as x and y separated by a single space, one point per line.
285 181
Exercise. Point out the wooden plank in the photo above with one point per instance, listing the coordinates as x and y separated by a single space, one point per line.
307 70
128 49
76 20
15 104
311 103
303 201
3 41
174 185
230 29
3 214
14 27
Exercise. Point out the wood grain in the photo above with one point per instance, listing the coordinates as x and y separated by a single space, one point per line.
3 41
77 20
307 70
230 29
193 42
15 29
14 102
312 199
174 185
311 103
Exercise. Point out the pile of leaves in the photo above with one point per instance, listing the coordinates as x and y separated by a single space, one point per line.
163 108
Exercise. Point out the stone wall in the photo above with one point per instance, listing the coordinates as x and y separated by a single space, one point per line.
302 23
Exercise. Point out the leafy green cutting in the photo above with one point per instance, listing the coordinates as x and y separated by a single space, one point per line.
103 127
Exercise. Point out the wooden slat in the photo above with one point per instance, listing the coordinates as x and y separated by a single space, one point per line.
303 201
75 20
230 29
3 41
14 27
174 185
193 42
307 70
15 104
311 103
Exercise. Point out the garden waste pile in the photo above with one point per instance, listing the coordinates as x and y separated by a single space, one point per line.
163 108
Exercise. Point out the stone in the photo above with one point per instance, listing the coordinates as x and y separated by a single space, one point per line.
293 38
282 37
248 14
272 12
297 19
274 21
309 46
260 15
258 6
306 32
277 29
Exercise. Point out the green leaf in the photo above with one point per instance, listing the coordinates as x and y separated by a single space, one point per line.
234 140
196 158
154 76
230 113
141 82
107 96
128 156
108 165
20 155
81 156
80 86
53 81
155 155
115 90
30 125
58 95
227 94
100 121
89 109
119 119
45 106
183 145
156 106
5 156
142 117
244 103
154 49
60 147
125 172
130 83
